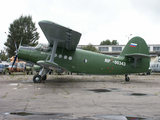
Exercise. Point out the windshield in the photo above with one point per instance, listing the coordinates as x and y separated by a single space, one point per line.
43 47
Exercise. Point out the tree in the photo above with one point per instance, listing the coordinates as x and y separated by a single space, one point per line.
3 55
114 42
22 28
108 42
89 47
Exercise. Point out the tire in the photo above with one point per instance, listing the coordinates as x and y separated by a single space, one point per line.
127 79
37 79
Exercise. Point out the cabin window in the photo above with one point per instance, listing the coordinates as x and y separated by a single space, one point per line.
70 58
43 47
60 56
85 60
65 57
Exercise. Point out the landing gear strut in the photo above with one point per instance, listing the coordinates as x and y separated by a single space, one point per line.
127 78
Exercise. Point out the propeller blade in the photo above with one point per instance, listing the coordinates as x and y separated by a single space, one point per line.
20 43
16 51
15 45
14 60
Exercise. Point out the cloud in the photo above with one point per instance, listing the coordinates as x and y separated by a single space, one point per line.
97 20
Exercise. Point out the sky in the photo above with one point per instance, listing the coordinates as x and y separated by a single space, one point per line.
96 20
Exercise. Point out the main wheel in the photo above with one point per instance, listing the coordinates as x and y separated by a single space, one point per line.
37 79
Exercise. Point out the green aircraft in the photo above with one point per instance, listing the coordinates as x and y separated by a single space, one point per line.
61 54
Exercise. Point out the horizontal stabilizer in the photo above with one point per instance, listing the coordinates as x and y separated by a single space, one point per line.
137 56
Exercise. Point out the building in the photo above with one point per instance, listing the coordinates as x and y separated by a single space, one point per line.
115 50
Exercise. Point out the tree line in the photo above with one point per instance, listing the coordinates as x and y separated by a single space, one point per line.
90 47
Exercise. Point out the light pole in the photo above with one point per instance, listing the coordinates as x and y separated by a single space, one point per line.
128 36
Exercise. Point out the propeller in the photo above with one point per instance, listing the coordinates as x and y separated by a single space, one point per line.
16 52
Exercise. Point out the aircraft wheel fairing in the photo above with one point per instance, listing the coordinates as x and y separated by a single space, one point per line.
37 79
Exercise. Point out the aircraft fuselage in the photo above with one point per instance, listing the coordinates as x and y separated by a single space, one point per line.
81 61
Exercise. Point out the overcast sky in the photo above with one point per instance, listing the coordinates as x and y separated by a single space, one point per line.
97 20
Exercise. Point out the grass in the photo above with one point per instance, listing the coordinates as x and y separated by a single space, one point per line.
33 98
5 95
54 90
26 106
66 91
19 99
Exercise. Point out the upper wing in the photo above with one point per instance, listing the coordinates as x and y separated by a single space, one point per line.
68 37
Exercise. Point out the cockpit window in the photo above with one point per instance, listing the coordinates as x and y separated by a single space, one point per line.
43 47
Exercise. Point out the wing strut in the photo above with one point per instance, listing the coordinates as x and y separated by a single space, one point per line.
53 51
56 41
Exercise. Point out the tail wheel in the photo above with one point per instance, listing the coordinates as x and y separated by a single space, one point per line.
127 79
37 79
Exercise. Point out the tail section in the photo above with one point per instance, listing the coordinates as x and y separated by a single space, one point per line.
137 50
135 45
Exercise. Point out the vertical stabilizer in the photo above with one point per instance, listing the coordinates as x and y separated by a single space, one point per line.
135 45
137 49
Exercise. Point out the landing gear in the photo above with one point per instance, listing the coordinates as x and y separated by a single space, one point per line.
44 77
127 79
41 76
37 79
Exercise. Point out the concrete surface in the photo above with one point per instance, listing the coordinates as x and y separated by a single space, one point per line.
80 97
